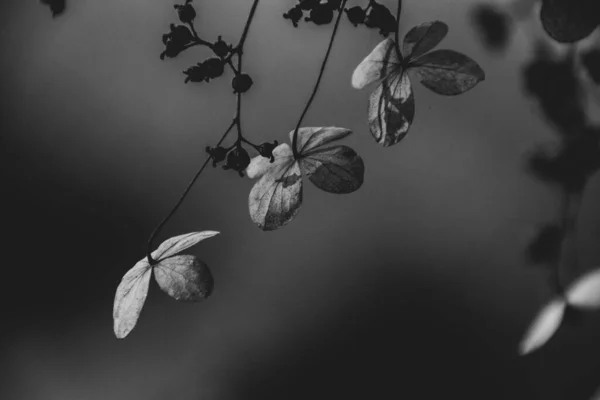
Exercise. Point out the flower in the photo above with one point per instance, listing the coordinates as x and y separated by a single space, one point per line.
183 277
276 197
391 105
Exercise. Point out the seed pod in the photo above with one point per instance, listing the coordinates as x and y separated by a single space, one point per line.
186 12
266 150
241 83
356 15
238 159
214 67
221 48
320 15
295 14
218 154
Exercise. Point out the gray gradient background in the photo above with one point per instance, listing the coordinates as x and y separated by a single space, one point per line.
414 287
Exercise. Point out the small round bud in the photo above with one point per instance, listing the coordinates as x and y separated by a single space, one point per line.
214 67
186 12
218 154
238 160
321 15
241 83
266 150
295 14
356 15
221 48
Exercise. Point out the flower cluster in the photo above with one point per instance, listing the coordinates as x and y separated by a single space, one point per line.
375 15
320 13
237 157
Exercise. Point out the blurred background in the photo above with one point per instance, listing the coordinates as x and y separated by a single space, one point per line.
414 287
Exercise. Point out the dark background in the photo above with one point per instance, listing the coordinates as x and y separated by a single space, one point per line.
414 287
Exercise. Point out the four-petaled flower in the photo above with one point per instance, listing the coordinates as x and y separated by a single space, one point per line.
391 105
276 198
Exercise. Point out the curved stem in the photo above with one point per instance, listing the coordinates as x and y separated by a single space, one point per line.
397 33
158 228
316 87
235 122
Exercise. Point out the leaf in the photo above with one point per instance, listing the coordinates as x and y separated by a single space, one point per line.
276 198
130 297
184 278
312 138
381 62
391 109
259 165
585 291
447 72
179 243
568 21
422 38
543 327
336 169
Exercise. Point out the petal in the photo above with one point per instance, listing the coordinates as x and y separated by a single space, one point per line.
311 138
130 297
276 198
447 72
259 165
585 291
422 38
337 169
391 109
568 21
184 278
382 61
179 243
543 327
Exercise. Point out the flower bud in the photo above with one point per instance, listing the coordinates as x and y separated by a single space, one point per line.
196 73
186 12
320 15
266 150
295 14
241 83
221 48
218 154
356 15
214 67
238 159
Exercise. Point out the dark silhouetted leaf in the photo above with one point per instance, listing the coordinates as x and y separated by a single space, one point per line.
422 38
311 138
552 80
184 278
130 297
447 72
179 243
493 25
335 169
276 198
391 109
381 62
585 291
568 21
56 6
544 326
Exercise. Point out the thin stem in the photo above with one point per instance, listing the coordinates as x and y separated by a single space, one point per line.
397 33
181 198
235 122
316 87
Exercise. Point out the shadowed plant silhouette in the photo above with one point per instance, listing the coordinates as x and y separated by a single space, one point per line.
57 7
568 167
